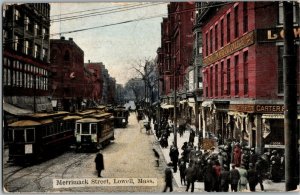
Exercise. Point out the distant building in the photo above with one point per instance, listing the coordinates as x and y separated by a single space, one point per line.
26 68
96 90
67 80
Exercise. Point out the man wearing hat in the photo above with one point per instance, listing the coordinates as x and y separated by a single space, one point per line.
168 179
99 163
224 179
234 178
252 177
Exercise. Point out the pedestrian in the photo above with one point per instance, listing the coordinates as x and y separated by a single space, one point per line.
174 156
237 155
217 168
168 179
190 177
259 168
209 175
252 177
99 163
224 179
243 181
182 169
192 136
234 178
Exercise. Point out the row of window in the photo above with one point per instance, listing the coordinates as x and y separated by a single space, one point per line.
212 37
218 72
15 64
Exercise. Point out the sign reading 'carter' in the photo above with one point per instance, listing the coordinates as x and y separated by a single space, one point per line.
258 108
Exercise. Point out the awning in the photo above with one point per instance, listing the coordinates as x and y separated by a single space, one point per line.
15 110
206 103
182 101
167 106
275 116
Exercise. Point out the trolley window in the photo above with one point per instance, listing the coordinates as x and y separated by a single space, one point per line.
19 135
30 135
93 128
78 128
85 128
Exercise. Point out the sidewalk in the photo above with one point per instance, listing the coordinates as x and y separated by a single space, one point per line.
199 186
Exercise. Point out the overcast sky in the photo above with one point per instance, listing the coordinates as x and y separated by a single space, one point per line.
118 46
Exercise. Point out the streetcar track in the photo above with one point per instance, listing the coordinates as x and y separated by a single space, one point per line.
74 163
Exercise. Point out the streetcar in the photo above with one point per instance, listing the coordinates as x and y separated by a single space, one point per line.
94 132
120 117
39 135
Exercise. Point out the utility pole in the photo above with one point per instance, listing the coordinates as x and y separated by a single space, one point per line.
175 113
291 132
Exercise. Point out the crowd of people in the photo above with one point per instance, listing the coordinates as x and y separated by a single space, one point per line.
229 167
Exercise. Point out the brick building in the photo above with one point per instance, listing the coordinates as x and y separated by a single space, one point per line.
175 52
26 57
243 72
67 80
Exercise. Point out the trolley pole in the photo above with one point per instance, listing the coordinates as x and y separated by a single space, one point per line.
290 101
175 114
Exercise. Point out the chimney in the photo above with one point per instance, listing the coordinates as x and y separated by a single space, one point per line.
89 61
62 38
70 39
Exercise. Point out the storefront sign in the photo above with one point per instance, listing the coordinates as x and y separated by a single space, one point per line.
274 146
274 34
237 45
257 108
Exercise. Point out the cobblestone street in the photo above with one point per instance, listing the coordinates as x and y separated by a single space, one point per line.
129 156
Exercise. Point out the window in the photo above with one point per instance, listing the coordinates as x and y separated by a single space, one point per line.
236 74
85 128
245 72
4 76
228 77
5 36
29 135
44 54
17 15
211 81
222 33
206 44
211 40
216 80
67 56
280 69
245 17
93 128
78 128
228 27
222 78
44 33
36 29
26 23
36 51
19 135
16 42
8 77
236 21
216 37
5 8
296 13
27 47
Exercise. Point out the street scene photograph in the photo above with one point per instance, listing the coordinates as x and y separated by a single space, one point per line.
150 97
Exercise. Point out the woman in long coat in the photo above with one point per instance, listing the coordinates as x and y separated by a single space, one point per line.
242 185
99 163
237 155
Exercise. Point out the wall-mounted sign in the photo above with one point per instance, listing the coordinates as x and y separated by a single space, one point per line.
274 34
257 108
244 41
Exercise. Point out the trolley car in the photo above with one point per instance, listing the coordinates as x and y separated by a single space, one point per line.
38 135
120 117
94 132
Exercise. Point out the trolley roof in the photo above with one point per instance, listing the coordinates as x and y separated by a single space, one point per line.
72 118
43 115
24 123
88 120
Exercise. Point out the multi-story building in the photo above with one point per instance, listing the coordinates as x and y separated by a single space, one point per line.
175 53
26 57
243 71
96 89
67 79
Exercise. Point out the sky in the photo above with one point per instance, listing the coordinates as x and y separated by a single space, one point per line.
119 46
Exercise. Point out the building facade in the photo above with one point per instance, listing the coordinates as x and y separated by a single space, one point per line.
243 72
26 56
67 79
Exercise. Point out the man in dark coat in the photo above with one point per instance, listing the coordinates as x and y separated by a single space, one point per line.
174 156
190 175
259 168
209 177
99 163
252 177
234 178
224 179
168 179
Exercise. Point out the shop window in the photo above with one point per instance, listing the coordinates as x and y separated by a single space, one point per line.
78 128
